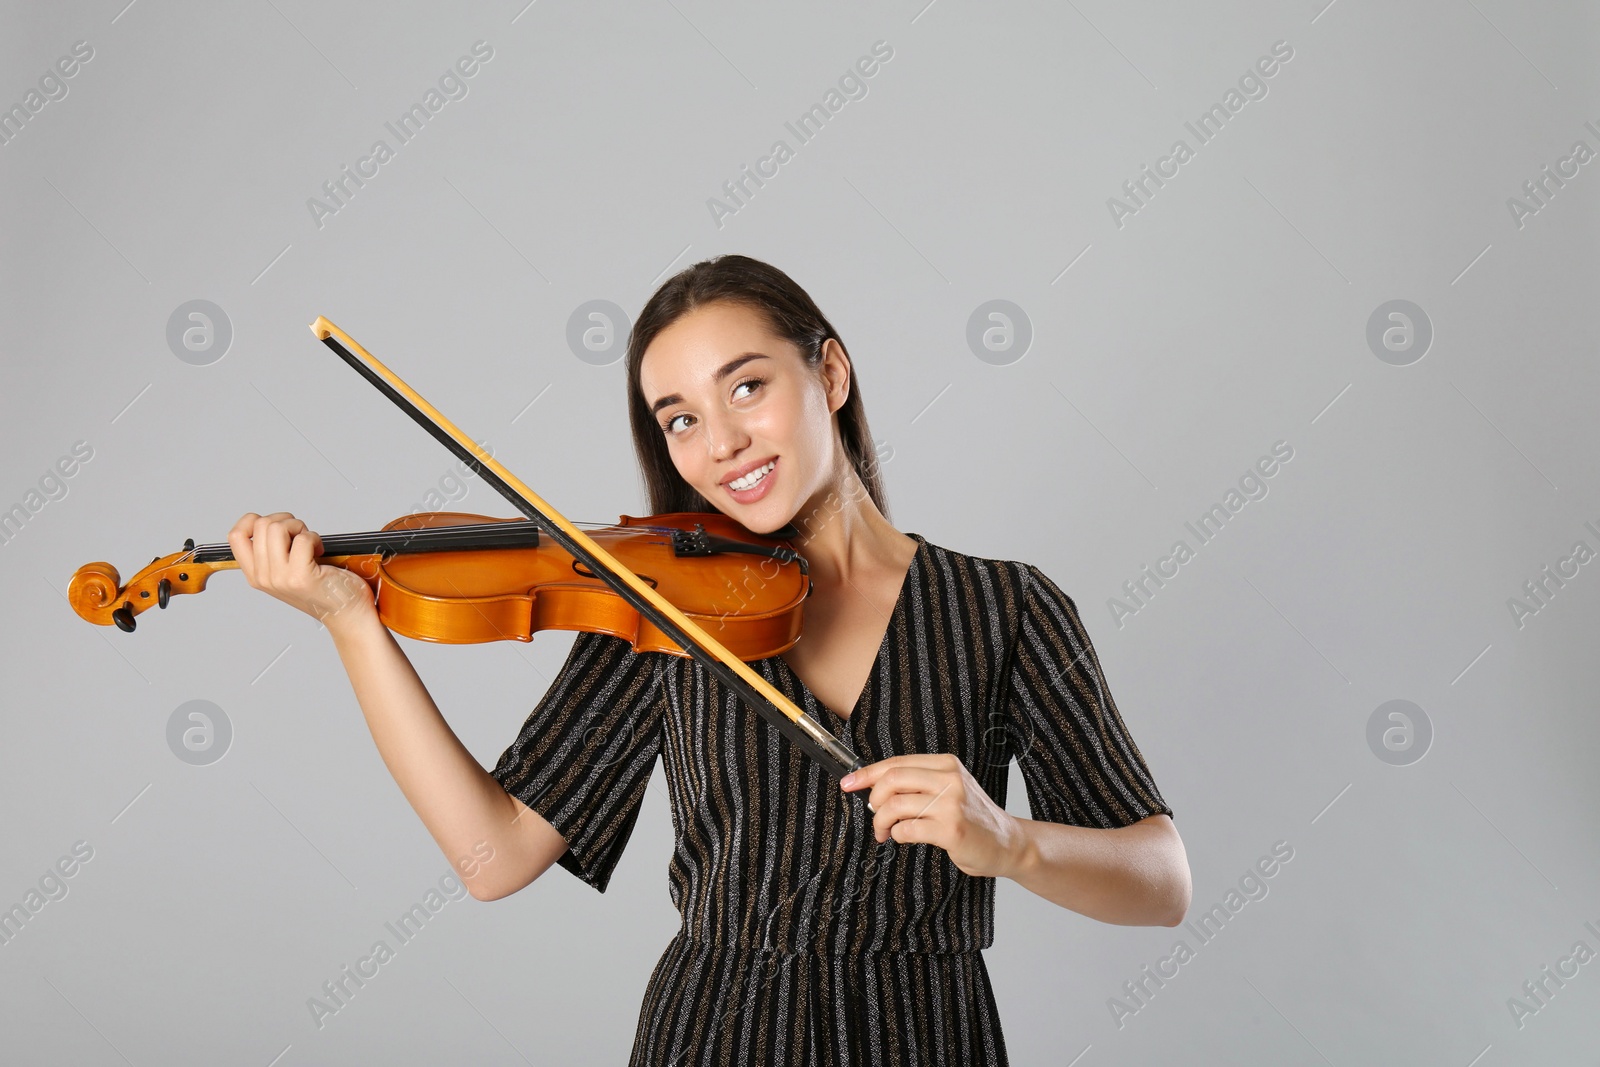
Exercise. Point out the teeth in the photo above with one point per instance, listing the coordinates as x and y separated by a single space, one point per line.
750 480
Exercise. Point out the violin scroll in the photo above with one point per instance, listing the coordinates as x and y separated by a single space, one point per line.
97 594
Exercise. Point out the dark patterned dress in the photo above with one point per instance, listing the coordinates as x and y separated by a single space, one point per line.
803 940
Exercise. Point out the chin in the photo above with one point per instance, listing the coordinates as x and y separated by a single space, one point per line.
765 527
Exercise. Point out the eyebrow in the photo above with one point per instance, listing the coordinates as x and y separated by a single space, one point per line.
722 372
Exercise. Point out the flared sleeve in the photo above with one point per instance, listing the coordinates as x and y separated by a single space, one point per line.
584 757
1078 761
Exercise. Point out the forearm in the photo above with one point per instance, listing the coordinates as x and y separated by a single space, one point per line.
459 802
1136 875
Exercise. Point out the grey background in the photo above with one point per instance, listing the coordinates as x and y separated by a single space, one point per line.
1167 356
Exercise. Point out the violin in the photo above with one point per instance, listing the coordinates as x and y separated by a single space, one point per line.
678 583
456 578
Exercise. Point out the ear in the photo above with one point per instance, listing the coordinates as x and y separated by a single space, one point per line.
835 371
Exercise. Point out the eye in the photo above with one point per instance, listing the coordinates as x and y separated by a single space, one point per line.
755 383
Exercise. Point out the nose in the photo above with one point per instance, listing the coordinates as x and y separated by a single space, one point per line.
723 438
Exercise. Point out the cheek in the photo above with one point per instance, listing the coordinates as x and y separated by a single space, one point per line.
689 458
780 427
691 455
816 423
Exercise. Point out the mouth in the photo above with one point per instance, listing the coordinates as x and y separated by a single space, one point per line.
751 484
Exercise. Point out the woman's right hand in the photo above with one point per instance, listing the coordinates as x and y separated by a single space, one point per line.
278 555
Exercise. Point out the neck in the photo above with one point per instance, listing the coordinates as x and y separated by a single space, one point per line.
842 532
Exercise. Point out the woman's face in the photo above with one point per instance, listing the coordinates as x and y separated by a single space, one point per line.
734 400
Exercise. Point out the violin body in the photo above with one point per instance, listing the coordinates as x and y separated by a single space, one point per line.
457 578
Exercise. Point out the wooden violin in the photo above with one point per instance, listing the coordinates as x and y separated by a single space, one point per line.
458 579
679 583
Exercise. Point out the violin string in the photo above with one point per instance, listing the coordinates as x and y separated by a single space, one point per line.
508 531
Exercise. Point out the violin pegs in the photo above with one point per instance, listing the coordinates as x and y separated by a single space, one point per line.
188 544
163 592
123 617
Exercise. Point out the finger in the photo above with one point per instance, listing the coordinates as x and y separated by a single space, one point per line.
869 775
907 778
279 533
304 547
263 526
914 831
243 550
904 810
271 546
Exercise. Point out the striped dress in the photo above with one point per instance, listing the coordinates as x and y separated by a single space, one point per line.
803 940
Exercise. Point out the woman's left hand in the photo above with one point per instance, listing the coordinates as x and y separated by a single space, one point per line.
931 798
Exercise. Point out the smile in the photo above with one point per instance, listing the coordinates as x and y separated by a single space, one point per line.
754 478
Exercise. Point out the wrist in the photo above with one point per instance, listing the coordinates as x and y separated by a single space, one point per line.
1022 851
352 622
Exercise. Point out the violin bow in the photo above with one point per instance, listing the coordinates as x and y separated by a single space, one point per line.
757 692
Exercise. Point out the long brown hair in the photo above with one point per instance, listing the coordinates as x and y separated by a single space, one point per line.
790 313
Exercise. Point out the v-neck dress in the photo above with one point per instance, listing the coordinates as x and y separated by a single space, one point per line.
803 940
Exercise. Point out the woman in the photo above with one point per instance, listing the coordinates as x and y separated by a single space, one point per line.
814 930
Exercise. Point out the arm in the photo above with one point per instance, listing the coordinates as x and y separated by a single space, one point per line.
462 806
496 843
1135 875
1101 841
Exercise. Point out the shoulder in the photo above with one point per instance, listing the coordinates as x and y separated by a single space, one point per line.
1006 583
1018 591
1014 603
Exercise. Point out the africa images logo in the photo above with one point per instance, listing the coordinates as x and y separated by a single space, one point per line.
1252 85
452 85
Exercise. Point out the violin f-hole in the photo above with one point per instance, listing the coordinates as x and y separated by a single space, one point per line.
578 566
